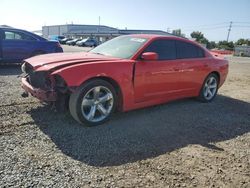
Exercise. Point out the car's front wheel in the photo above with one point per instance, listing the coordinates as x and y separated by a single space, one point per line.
209 88
93 103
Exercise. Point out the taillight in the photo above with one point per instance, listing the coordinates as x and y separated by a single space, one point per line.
58 45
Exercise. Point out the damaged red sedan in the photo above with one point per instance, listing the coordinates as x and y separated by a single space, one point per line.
125 73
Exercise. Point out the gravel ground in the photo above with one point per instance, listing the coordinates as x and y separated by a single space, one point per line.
180 144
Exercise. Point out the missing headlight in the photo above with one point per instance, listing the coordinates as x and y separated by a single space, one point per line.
60 84
39 79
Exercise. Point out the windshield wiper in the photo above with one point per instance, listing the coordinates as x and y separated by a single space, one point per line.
97 53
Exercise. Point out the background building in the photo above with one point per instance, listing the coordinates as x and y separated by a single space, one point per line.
100 32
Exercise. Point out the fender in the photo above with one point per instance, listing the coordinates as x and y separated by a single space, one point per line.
121 72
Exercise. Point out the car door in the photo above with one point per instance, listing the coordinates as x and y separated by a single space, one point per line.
16 45
193 66
158 78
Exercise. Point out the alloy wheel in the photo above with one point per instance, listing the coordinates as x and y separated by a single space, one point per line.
210 88
97 104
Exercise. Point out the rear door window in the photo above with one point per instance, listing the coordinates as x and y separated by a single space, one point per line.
13 35
8 35
164 48
187 50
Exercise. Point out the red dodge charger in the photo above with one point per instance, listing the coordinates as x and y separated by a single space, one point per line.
125 73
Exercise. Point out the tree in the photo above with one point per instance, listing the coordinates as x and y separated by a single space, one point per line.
211 45
197 35
177 32
243 41
226 45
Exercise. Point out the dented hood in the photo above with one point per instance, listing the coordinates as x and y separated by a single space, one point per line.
59 60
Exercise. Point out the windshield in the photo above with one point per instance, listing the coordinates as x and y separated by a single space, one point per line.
122 47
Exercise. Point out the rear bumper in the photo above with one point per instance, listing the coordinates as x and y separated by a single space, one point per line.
43 95
58 50
223 75
222 80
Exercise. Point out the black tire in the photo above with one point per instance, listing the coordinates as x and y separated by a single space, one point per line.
202 95
77 97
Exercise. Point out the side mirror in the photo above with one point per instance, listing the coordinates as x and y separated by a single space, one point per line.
150 56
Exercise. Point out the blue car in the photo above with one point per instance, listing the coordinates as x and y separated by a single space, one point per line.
56 37
17 45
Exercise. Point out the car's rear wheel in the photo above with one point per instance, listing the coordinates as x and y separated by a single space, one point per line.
93 103
209 88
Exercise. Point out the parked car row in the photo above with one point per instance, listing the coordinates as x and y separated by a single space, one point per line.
88 42
72 42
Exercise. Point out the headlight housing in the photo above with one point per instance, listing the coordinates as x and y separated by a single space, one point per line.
40 79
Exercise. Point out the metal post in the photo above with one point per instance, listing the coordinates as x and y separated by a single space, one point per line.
229 30
99 19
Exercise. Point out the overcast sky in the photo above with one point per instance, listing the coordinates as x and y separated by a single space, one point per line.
211 17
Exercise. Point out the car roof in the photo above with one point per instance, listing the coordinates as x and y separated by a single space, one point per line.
5 26
12 28
168 36
152 36
155 36
15 29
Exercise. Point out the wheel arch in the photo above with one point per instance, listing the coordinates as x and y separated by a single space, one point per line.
116 86
212 72
216 73
201 93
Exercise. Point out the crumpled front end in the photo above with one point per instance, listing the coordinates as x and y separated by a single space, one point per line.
43 95
39 84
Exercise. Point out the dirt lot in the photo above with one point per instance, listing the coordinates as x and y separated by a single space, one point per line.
180 144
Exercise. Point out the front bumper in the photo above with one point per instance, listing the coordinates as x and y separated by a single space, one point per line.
43 95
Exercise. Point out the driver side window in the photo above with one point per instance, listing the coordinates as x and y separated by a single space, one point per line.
164 48
11 36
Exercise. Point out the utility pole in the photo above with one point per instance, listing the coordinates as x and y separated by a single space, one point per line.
229 30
